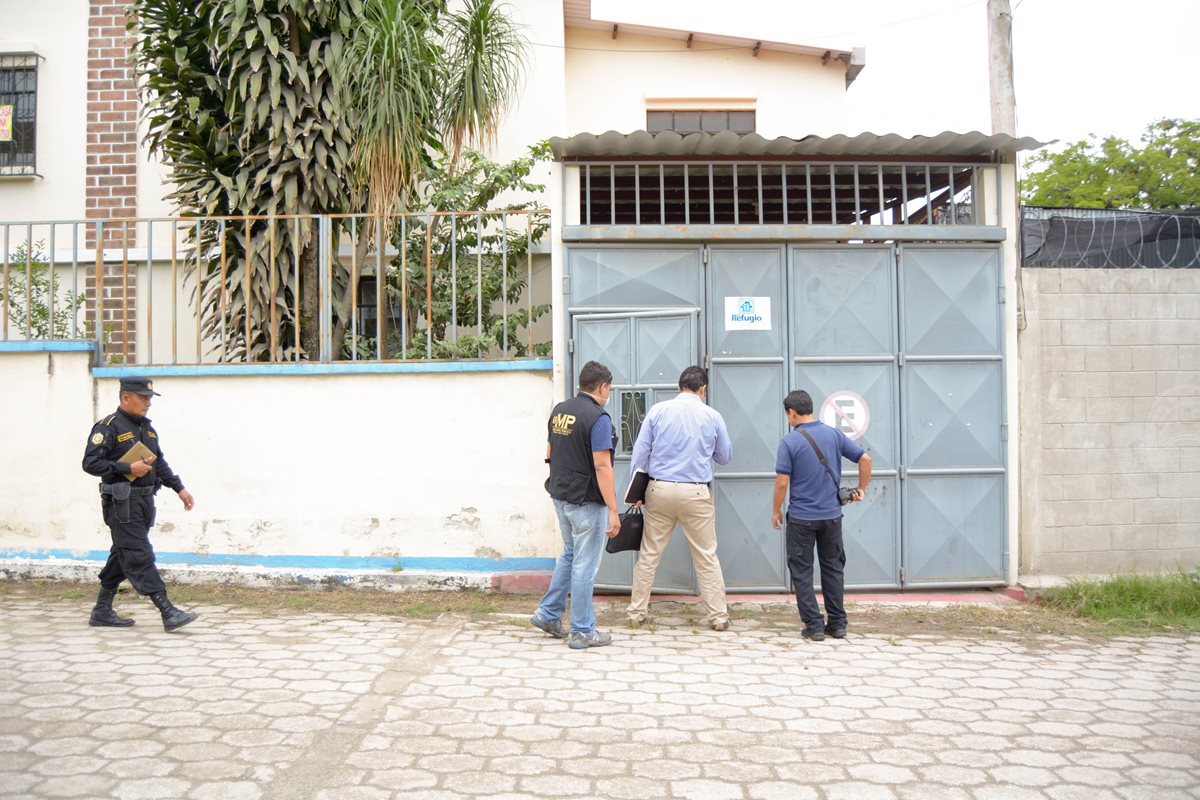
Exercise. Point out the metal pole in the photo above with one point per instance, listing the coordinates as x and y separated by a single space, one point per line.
504 275
429 287
354 289
529 275
380 288
150 292
246 304
50 294
199 295
99 289
224 292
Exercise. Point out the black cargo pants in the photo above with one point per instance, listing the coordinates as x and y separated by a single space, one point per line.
131 556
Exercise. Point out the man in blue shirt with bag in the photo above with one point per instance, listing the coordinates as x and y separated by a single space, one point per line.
808 469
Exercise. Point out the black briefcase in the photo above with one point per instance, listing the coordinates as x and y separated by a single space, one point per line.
629 537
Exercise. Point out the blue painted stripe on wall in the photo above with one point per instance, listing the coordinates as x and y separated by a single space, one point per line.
434 564
43 347
343 368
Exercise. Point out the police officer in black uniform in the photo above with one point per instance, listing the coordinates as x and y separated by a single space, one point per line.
127 501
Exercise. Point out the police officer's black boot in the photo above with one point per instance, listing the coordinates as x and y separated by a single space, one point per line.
172 617
103 615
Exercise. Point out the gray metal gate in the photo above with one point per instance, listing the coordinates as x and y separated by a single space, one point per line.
901 347
954 425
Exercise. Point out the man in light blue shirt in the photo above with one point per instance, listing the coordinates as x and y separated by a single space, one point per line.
676 446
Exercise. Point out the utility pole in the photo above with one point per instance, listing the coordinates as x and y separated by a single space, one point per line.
1000 68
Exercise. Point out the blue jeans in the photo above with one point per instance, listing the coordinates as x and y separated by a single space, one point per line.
827 535
583 528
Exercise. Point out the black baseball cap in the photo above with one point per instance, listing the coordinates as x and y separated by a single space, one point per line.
142 386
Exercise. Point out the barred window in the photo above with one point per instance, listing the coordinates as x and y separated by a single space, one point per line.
712 121
18 113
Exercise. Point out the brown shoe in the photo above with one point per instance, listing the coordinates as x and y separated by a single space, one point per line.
720 626
636 622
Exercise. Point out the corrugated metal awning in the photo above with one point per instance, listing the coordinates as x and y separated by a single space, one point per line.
668 144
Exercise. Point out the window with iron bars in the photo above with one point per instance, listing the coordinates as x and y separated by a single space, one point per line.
710 121
18 113
775 193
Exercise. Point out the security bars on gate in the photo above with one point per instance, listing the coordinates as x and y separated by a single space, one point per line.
779 193
95 280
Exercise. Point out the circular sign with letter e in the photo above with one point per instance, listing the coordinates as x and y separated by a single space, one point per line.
846 411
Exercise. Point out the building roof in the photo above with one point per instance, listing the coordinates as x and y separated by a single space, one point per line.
726 144
578 14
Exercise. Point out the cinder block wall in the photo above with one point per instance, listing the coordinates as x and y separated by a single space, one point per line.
1110 420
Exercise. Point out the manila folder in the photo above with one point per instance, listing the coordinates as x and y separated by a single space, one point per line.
139 452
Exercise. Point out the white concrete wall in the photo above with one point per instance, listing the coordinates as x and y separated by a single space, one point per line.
409 465
57 30
1110 420
793 95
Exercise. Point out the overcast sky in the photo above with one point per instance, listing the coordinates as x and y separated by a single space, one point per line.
1081 66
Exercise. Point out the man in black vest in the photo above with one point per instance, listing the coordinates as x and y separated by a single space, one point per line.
128 482
579 450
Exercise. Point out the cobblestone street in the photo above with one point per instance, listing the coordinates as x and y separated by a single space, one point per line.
242 705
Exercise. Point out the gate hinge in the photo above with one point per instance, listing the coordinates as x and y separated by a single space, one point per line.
706 361
1000 290
1004 431
570 345
900 472
566 285
705 251
900 359
902 575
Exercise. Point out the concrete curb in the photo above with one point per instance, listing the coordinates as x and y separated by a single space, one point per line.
527 583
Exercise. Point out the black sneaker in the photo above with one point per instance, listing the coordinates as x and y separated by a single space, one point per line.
815 634
836 633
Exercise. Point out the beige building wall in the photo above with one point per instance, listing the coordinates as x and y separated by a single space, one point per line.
1110 420
57 30
792 95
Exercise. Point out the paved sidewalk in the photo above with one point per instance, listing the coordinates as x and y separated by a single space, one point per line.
319 706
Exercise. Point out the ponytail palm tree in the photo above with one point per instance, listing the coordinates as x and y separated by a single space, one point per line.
422 79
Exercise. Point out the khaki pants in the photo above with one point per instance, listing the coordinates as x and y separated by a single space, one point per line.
691 506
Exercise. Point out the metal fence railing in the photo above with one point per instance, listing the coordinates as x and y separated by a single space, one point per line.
245 289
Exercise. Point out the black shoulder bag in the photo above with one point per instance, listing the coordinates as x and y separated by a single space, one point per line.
843 497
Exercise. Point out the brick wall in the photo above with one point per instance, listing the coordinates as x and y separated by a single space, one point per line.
112 111
1110 420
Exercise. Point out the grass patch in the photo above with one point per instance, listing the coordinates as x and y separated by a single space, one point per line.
1126 603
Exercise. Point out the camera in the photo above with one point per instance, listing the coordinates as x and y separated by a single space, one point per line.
846 494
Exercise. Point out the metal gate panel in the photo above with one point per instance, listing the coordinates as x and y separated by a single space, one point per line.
953 422
634 277
753 554
954 417
747 381
951 297
660 344
844 339
870 529
953 521
844 301
641 348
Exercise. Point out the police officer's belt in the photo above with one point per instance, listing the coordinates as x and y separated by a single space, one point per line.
123 491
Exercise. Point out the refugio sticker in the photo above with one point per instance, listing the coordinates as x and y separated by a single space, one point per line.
747 313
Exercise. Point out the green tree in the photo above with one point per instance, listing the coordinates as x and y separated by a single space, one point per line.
491 260
263 107
1162 173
